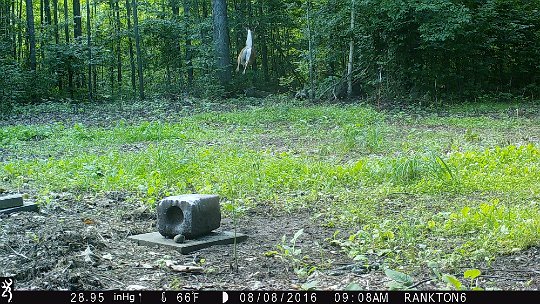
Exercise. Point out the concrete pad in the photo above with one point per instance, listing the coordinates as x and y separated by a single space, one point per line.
10 201
190 245
26 207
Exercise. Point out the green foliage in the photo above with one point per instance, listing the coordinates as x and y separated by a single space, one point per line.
494 227
480 197
456 284
11 82
368 138
399 280
425 50
290 251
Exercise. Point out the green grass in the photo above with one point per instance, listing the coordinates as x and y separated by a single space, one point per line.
405 187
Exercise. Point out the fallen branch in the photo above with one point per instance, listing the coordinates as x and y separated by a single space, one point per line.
19 254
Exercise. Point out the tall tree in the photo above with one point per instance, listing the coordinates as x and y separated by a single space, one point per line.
66 21
130 45
310 56
138 49
77 31
31 33
351 53
55 21
89 44
47 8
118 43
263 47
66 34
20 34
56 41
189 51
221 40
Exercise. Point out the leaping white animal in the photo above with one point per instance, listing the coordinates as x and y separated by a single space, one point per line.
247 54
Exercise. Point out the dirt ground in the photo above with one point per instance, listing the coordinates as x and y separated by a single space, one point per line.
80 243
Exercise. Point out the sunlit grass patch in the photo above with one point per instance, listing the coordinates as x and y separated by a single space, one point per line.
346 164
495 227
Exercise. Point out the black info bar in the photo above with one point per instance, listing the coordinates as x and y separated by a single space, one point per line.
247 297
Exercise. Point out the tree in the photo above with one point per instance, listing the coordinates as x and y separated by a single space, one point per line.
138 49
351 54
310 56
68 62
221 40
77 19
89 44
31 33
130 45
429 50
189 52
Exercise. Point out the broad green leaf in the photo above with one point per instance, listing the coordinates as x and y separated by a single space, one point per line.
296 235
452 280
399 277
472 273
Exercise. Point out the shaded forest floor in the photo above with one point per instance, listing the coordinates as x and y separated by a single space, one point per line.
331 196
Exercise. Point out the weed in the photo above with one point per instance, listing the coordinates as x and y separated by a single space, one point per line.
471 136
366 138
289 251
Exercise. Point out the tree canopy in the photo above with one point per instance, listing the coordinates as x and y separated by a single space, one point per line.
430 50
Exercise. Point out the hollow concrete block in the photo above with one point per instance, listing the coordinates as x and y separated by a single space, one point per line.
191 215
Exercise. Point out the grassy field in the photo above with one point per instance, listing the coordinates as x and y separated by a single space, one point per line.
456 186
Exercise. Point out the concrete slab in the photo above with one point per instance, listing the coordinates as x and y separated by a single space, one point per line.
10 201
25 207
190 245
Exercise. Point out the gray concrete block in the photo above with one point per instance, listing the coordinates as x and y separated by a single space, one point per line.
10 201
191 215
26 207
213 238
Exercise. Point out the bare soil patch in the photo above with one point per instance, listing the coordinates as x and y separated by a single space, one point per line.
79 242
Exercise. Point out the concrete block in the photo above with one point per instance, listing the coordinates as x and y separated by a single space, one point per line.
191 215
10 201
213 238
26 207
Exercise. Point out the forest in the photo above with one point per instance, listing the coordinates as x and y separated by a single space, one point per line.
348 145
435 51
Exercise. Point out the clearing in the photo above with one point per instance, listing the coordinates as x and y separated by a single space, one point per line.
330 195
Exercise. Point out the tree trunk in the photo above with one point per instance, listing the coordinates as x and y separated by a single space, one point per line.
57 41
310 47
189 64
14 28
130 43
351 52
118 44
138 49
55 21
47 4
263 46
31 33
66 21
77 34
20 35
221 40
77 31
66 32
175 63
112 63
88 34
